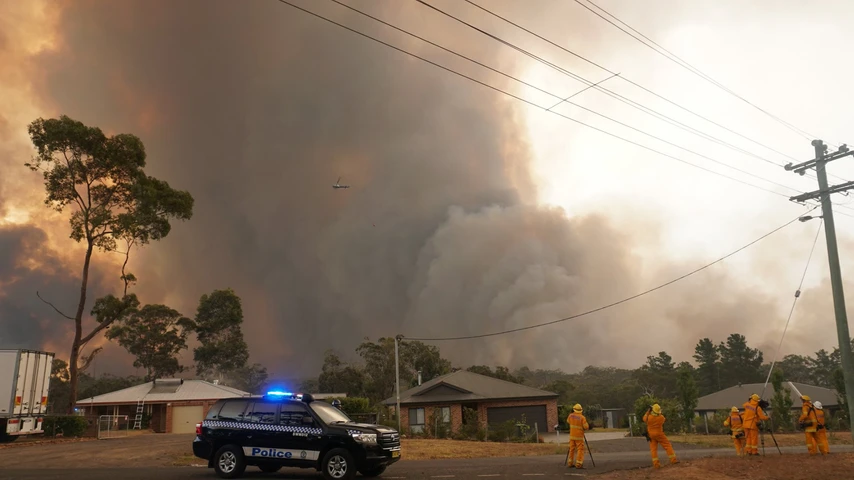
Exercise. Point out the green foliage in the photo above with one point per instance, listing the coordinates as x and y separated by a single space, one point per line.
797 368
338 377
781 402
379 365
250 378
688 394
501 373
563 388
67 425
739 363
471 429
658 376
217 325
670 408
351 405
155 335
101 179
707 356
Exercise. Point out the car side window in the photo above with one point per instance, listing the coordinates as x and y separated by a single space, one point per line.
291 415
214 411
233 410
262 412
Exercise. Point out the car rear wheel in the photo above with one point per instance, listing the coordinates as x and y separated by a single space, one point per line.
338 464
229 462
373 472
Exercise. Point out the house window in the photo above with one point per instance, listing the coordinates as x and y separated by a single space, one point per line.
416 420
444 414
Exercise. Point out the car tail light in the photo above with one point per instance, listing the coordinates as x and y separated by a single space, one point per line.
198 429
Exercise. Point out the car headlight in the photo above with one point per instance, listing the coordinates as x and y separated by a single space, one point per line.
365 437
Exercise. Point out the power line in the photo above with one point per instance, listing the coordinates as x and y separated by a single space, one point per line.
532 103
610 305
626 79
610 93
792 310
690 67
562 100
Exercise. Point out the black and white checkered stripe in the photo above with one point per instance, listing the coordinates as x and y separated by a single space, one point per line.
261 426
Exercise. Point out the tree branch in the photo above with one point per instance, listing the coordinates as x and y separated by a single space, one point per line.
87 360
53 306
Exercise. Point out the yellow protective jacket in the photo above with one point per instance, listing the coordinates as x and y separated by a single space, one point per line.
752 410
808 418
654 423
577 426
735 423
819 416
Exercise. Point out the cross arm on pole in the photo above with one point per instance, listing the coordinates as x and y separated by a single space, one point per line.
801 168
818 193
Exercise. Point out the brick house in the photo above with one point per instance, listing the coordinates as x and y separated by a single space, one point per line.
494 401
173 405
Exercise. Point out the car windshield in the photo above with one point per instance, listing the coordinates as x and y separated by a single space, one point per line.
328 413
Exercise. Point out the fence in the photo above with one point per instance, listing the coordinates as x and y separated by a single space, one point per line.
112 426
371 418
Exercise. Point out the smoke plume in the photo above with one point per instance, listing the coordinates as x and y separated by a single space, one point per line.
257 109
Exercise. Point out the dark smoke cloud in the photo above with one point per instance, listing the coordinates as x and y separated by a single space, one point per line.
257 109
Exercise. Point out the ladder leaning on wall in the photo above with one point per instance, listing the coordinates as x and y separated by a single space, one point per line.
137 420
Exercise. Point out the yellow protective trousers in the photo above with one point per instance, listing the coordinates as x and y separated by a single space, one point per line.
660 438
752 443
821 439
576 453
739 445
812 442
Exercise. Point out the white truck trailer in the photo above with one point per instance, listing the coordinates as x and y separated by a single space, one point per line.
24 383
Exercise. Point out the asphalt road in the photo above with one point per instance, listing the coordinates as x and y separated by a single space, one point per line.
526 468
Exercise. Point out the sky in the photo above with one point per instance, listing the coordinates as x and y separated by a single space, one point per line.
469 211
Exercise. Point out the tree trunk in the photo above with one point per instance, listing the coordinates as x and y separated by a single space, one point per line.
78 333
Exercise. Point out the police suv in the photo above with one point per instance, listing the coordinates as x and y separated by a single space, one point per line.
282 429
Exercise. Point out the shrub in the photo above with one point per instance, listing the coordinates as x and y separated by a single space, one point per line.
67 425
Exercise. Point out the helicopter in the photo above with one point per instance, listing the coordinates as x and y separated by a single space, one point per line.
338 184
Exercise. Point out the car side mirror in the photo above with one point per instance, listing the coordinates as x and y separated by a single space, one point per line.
307 420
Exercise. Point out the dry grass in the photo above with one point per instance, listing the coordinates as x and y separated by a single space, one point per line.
783 439
422 449
787 467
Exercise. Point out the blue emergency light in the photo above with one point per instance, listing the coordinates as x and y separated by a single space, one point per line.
280 393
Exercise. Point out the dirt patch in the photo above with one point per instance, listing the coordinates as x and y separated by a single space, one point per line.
33 442
783 439
787 467
439 449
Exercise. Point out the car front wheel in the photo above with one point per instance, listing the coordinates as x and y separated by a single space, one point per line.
229 462
338 464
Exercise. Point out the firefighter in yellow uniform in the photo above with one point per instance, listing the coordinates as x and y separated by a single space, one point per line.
654 421
750 421
821 432
735 424
809 423
577 425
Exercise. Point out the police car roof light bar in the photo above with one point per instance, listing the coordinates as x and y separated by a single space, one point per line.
279 393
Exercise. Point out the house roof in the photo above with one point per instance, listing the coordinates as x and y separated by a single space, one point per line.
736 396
165 390
464 386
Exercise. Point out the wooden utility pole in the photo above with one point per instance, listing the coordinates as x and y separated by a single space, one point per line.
822 158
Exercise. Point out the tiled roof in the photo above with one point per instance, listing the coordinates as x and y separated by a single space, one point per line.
462 386
165 391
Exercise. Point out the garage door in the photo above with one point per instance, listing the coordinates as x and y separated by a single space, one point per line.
533 414
184 419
